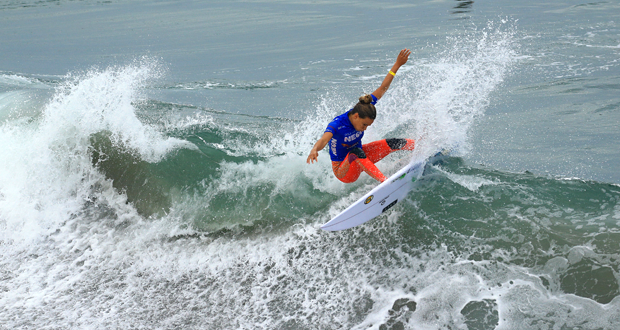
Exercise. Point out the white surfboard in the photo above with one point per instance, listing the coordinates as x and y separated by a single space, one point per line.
380 199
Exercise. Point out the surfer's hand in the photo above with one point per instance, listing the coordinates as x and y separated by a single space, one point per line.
403 57
312 157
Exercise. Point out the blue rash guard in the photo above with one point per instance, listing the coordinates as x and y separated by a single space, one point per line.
345 136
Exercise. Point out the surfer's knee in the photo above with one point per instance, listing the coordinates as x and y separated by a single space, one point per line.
356 153
398 144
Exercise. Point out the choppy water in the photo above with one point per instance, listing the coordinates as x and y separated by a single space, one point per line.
153 175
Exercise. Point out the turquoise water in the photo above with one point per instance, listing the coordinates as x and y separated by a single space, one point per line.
153 170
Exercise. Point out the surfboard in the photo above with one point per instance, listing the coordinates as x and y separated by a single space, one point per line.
380 199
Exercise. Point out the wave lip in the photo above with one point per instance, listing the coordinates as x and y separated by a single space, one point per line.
48 170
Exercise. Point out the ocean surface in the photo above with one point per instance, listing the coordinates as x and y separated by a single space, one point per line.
153 165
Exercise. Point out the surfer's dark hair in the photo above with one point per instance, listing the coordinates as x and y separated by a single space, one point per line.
364 108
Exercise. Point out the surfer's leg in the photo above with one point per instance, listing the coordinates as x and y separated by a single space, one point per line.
377 150
345 171
352 166
341 169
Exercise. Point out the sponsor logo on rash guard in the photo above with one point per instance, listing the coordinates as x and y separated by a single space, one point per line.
352 137
333 145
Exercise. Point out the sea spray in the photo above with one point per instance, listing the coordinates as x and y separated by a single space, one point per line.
437 100
105 100
49 170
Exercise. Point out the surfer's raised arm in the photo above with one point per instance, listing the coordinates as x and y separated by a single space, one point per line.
402 58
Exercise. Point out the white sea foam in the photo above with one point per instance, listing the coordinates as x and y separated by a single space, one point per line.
16 80
470 182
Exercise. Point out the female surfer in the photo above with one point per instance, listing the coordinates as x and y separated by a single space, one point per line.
344 135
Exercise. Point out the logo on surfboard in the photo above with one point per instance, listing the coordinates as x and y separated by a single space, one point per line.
389 206
400 177
369 199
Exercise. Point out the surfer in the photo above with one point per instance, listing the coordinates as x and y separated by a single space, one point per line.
344 135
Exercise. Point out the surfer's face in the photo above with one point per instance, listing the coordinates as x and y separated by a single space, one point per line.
360 124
